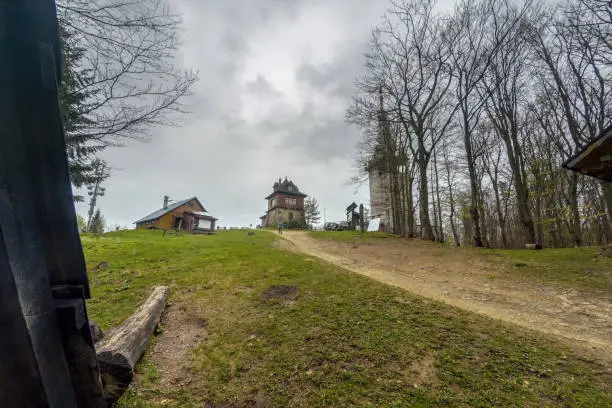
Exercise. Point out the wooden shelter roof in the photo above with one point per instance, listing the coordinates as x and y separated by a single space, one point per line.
595 159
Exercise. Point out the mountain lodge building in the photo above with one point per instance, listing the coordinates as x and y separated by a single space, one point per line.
285 204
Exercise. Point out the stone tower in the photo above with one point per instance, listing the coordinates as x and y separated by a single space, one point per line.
380 197
377 168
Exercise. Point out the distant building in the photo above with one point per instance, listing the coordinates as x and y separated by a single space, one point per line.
380 197
379 177
186 215
285 204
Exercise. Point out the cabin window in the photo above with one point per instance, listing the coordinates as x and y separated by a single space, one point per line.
290 201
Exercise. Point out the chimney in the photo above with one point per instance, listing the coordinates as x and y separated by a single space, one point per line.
166 198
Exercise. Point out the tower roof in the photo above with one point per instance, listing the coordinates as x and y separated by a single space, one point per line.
286 187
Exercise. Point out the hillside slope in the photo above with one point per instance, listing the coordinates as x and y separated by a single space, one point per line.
252 325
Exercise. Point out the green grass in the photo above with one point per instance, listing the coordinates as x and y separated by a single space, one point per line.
350 236
583 268
343 341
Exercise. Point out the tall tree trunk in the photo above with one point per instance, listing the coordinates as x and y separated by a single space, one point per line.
467 221
473 209
575 216
439 212
607 195
453 225
499 213
521 190
482 215
538 211
424 199
451 198
402 201
435 210
409 180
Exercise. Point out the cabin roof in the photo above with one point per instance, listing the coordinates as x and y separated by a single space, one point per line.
595 159
163 211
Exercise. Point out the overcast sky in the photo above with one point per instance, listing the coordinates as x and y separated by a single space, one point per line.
276 78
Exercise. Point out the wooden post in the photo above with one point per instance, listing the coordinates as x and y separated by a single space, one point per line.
361 220
37 219
21 384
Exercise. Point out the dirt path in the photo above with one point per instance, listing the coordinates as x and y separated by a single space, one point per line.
183 328
464 280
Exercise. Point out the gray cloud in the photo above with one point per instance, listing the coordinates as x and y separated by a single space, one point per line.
276 76
335 78
262 87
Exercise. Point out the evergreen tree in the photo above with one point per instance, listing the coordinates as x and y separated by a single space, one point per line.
97 223
74 96
95 189
311 211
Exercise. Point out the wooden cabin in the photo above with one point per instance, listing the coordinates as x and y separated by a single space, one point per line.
185 215
595 159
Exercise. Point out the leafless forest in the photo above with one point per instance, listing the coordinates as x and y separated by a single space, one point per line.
472 113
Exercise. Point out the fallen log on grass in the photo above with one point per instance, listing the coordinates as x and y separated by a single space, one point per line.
96 332
533 246
123 346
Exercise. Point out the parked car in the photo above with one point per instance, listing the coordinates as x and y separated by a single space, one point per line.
330 226
342 226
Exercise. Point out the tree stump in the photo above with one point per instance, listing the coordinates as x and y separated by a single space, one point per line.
123 345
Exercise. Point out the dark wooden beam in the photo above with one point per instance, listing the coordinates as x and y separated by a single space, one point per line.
17 361
37 221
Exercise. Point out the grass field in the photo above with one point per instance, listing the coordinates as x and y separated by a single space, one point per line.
336 340
582 268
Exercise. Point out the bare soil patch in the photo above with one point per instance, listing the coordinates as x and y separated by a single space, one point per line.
280 293
183 328
422 372
464 279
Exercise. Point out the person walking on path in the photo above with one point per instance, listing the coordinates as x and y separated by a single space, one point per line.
280 228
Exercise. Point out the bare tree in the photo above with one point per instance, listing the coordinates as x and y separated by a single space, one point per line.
503 89
520 89
128 55
417 79
574 81
492 164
